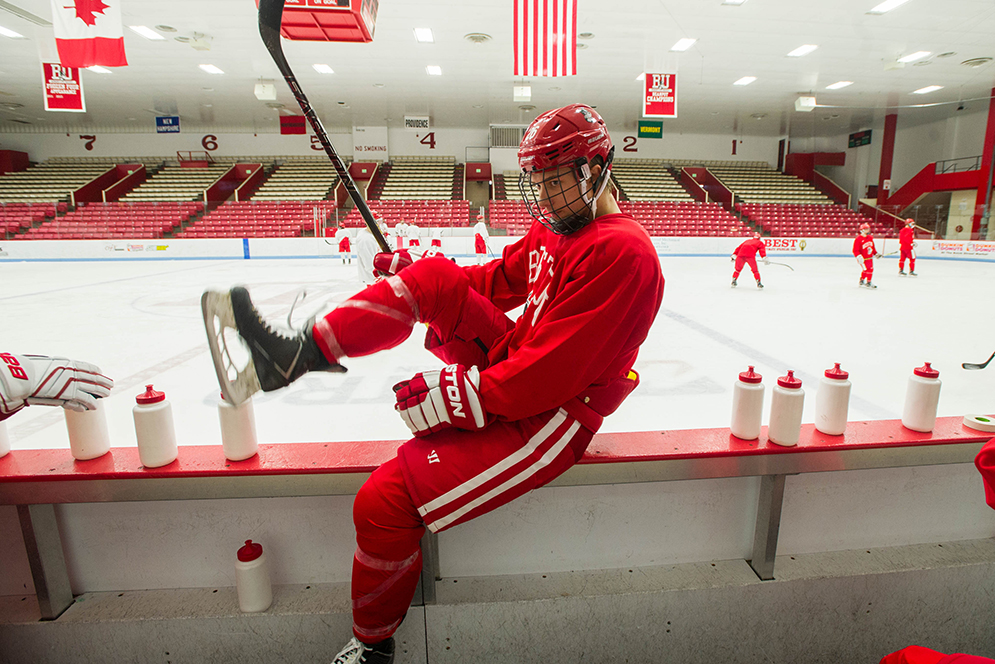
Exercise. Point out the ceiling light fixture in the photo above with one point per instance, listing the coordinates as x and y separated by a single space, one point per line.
211 69
735 3
926 90
805 104
746 80
887 6
839 84
434 70
7 32
521 93
912 57
683 44
804 49
323 69
97 69
148 33
424 35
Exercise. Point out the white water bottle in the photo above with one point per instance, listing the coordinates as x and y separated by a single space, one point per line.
238 430
921 399
786 403
4 440
832 402
88 438
154 428
747 405
252 582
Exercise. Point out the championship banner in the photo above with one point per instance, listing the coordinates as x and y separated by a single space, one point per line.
293 124
63 88
660 96
89 32
545 37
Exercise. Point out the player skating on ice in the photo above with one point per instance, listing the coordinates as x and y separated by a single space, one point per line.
342 237
480 237
745 254
518 400
906 245
31 380
865 253
437 238
413 234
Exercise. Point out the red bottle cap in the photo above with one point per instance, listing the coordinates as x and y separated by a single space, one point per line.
250 551
150 396
836 373
926 371
790 381
750 376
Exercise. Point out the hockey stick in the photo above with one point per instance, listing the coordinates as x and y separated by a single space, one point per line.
969 365
270 17
781 264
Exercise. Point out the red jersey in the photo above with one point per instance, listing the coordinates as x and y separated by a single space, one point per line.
590 298
863 246
985 463
479 244
905 237
750 248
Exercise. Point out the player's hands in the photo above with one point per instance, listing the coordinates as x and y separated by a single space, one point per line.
766 262
434 400
391 263
877 255
733 258
49 381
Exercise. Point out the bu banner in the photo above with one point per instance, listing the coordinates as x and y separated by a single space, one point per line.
169 124
63 88
660 96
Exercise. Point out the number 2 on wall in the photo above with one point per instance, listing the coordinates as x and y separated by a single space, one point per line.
630 144
429 140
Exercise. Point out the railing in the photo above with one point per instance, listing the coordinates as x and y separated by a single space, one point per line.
958 164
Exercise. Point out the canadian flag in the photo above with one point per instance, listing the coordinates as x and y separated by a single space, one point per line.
89 32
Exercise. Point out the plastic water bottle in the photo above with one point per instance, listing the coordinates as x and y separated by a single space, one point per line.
4 440
786 403
921 399
154 428
832 402
747 405
252 582
88 438
238 430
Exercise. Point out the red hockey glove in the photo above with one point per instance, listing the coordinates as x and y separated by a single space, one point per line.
391 263
434 400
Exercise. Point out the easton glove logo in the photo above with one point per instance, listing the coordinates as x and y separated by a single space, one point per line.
453 391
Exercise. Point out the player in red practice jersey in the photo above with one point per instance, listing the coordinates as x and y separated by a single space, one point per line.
745 254
906 243
865 252
519 400
985 463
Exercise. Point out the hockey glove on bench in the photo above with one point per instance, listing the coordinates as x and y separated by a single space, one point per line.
49 381
435 400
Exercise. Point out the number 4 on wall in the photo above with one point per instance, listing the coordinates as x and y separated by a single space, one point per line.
429 140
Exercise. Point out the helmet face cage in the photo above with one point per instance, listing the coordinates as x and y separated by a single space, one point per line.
573 206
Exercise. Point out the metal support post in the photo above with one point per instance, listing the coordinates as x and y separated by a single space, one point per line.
47 560
768 524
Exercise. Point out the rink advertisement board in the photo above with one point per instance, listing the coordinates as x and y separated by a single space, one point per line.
63 88
660 96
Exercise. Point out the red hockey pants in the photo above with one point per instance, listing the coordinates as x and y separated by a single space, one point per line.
751 261
448 477
907 253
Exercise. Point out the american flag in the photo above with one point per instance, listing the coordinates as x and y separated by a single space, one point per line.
545 38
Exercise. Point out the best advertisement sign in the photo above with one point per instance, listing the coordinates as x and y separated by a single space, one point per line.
660 96
63 88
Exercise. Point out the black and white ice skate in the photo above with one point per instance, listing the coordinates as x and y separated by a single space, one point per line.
759 285
356 652
869 285
901 273
861 283
275 361
733 283
913 274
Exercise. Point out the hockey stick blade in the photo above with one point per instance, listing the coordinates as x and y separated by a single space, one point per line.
969 365
218 317
270 18
782 265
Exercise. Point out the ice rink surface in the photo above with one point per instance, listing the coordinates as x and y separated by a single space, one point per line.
141 323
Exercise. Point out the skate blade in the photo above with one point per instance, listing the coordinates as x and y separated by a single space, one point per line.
237 385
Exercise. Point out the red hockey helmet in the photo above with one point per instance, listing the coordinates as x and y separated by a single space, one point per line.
576 137
910 222
756 236
865 227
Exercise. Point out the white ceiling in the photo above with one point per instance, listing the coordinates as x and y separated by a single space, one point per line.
629 37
